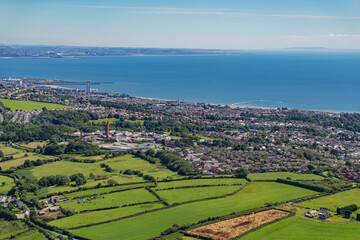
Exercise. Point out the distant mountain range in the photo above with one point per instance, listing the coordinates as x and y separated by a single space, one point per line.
72 51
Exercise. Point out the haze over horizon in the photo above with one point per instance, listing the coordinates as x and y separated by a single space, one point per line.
202 24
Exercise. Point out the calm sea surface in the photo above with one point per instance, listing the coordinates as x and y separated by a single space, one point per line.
311 81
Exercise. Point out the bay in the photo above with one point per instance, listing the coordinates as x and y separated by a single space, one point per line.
327 81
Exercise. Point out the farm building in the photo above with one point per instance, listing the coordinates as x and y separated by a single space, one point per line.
311 214
55 199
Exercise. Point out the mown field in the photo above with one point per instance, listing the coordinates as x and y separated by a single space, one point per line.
333 201
116 199
276 175
30 105
83 219
297 228
189 194
152 224
6 183
200 182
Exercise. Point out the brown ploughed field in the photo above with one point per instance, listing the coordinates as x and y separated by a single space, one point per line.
234 227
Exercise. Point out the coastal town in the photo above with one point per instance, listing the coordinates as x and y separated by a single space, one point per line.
261 140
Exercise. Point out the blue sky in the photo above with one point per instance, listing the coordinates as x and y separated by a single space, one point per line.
225 24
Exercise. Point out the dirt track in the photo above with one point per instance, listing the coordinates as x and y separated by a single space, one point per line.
234 227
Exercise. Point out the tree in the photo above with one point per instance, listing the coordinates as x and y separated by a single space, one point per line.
347 214
311 167
241 173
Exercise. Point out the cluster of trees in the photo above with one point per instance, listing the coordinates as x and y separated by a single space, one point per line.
325 185
30 132
309 155
147 156
347 210
75 119
77 147
241 173
140 174
58 180
107 167
176 163
61 180
78 178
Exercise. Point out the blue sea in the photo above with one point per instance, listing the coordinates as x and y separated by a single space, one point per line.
328 81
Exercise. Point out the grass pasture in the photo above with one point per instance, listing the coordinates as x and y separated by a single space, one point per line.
83 219
33 144
30 105
68 168
276 175
104 120
9 228
189 194
9 183
156 170
152 224
110 200
201 182
31 235
19 159
297 228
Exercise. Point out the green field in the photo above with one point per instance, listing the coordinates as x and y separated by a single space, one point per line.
298 228
6 183
110 200
196 193
276 175
199 182
8 228
30 105
68 168
83 219
9 151
19 159
333 201
104 120
129 162
31 235
152 224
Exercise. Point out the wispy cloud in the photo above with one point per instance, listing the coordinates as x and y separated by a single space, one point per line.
219 12
323 36
332 35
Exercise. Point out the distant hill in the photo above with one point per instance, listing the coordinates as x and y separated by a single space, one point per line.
70 51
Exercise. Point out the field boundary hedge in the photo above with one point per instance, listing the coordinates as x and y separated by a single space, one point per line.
157 196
